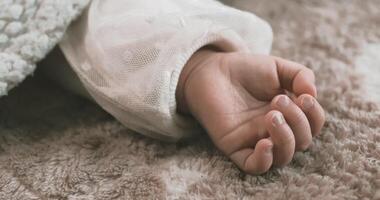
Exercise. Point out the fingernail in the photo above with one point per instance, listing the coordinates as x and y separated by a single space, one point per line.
282 101
278 119
307 103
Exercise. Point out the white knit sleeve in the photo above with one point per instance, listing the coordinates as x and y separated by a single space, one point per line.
129 54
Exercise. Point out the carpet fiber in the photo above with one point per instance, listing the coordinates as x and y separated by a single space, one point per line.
54 145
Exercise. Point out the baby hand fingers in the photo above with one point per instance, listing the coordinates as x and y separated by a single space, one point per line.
313 111
255 161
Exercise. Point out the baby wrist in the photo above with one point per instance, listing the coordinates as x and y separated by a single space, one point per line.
195 62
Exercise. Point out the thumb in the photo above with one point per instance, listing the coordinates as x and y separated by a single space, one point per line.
295 77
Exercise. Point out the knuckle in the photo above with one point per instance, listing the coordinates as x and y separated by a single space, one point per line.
272 74
270 66
267 68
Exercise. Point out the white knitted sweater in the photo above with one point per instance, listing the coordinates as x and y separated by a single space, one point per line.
129 54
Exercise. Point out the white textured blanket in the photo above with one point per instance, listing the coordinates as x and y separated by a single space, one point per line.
29 29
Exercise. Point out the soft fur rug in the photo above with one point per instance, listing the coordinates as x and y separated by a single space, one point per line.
57 146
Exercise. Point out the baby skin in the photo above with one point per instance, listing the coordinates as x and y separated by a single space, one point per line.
257 109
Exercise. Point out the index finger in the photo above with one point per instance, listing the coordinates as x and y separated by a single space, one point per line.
295 77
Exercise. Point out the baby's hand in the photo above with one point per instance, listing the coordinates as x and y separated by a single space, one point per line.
240 100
